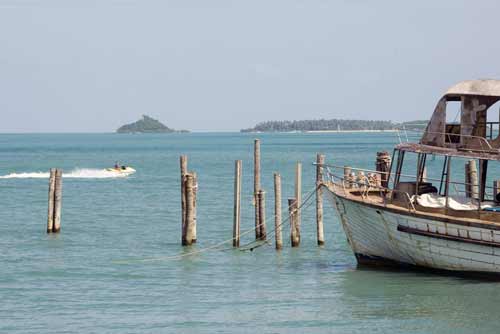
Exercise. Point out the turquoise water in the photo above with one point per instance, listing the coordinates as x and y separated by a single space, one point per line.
109 270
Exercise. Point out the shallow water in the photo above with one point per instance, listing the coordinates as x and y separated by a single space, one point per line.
110 269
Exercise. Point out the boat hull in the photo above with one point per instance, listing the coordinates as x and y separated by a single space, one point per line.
386 237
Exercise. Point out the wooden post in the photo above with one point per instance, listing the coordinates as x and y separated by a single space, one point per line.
277 211
183 165
256 186
347 177
467 180
483 173
195 196
294 230
50 213
496 191
298 193
262 214
188 233
473 179
237 203
57 201
447 183
320 160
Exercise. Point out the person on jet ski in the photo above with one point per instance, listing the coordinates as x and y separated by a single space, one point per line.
117 165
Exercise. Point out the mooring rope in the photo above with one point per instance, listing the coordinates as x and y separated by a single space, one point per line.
273 231
260 243
222 243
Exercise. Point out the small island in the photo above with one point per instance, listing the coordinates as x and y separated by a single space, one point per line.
334 125
147 125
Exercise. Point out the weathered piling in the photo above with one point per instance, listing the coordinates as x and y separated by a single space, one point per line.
471 180
188 232
50 213
298 193
496 191
237 203
382 166
320 160
277 211
294 228
347 177
262 214
256 186
183 167
474 179
195 197
467 181
57 201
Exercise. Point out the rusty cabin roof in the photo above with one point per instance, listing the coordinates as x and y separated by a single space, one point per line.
469 136
452 152
483 87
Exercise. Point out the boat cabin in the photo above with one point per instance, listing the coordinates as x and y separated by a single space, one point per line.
435 202
473 131
451 170
460 152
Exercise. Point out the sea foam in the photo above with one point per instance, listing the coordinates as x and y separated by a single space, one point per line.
78 173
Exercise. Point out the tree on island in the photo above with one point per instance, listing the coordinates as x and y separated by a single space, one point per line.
146 125
332 125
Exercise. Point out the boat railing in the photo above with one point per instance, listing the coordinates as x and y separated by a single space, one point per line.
365 187
392 175
489 125
367 183
483 142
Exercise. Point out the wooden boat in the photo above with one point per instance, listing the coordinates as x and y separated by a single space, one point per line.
397 215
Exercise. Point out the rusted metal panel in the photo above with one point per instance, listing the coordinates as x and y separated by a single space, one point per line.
452 152
434 134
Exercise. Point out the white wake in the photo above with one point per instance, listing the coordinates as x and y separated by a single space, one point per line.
78 173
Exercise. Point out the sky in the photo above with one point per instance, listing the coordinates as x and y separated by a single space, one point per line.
221 65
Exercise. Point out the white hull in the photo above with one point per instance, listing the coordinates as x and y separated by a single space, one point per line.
373 234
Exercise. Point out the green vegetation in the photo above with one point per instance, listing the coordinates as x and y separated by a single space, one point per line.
333 125
146 125
413 125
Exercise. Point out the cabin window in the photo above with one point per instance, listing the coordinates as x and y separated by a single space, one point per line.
453 110
493 121
410 174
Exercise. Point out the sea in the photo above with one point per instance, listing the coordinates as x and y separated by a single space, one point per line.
118 266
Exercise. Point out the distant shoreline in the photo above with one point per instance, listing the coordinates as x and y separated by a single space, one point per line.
327 131
347 131
334 125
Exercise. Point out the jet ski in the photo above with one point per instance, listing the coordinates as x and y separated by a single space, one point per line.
125 170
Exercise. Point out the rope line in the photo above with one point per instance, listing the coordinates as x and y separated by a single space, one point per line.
217 245
273 231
